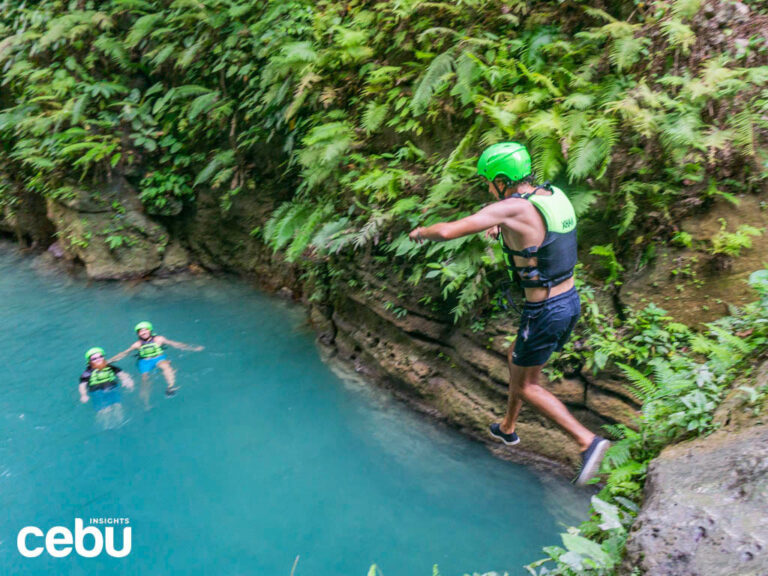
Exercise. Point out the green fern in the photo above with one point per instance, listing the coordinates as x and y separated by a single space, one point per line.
644 388
142 28
283 225
744 132
468 73
373 116
306 230
627 50
223 160
686 8
435 76
324 147
678 34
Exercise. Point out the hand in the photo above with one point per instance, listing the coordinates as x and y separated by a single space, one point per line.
198 348
126 380
84 398
415 235
492 233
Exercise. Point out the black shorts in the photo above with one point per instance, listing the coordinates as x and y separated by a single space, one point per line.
545 327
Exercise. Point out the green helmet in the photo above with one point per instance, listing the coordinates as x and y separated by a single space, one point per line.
142 325
508 159
92 351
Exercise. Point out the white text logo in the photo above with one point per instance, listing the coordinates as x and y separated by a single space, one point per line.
58 541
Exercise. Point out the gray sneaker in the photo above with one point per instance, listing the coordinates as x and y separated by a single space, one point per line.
509 439
591 459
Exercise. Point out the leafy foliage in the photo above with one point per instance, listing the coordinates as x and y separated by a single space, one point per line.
680 386
353 103
370 116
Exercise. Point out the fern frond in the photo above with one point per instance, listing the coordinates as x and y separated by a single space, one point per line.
464 144
374 115
744 130
735 343
221 161
113 49
331 231
678 34
142 28
581 200
270 227
628 212
681 130
435 76
548 158
467 74
306 230
686 8
578 101
626 51
640 384
286 223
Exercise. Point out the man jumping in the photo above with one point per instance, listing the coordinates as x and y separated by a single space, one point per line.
537 227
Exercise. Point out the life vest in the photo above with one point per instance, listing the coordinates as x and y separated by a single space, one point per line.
557 255
150 349
104 379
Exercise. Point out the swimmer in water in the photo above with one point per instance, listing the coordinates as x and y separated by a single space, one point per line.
149 347
99 384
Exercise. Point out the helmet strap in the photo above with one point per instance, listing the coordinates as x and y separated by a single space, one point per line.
501 192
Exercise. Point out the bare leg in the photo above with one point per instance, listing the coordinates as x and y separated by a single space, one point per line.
168 373
524 385
515 401
145 389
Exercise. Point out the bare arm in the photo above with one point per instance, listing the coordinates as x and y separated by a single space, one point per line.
490 216
162 340
125 380
124 353
83 392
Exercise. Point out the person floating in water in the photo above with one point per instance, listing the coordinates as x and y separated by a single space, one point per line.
99 383
537 229
149 347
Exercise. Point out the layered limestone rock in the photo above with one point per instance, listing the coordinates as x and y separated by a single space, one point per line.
459 376
27 222
107 230
226 240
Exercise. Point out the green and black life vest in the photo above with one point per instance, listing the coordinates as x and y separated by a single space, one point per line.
104 379
150 349
556 256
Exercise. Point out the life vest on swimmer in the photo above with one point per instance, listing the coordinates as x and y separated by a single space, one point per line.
150 349
557 255
103 379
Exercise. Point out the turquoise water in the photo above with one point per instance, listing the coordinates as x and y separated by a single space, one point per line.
265 454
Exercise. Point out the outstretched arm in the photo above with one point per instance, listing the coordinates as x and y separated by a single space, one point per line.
125 380
493 215
123 354
180 345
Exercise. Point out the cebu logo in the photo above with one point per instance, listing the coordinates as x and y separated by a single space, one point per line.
58 541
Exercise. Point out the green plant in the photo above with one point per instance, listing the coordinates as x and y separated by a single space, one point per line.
732 243
163 192
682 238
679 392
610 263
